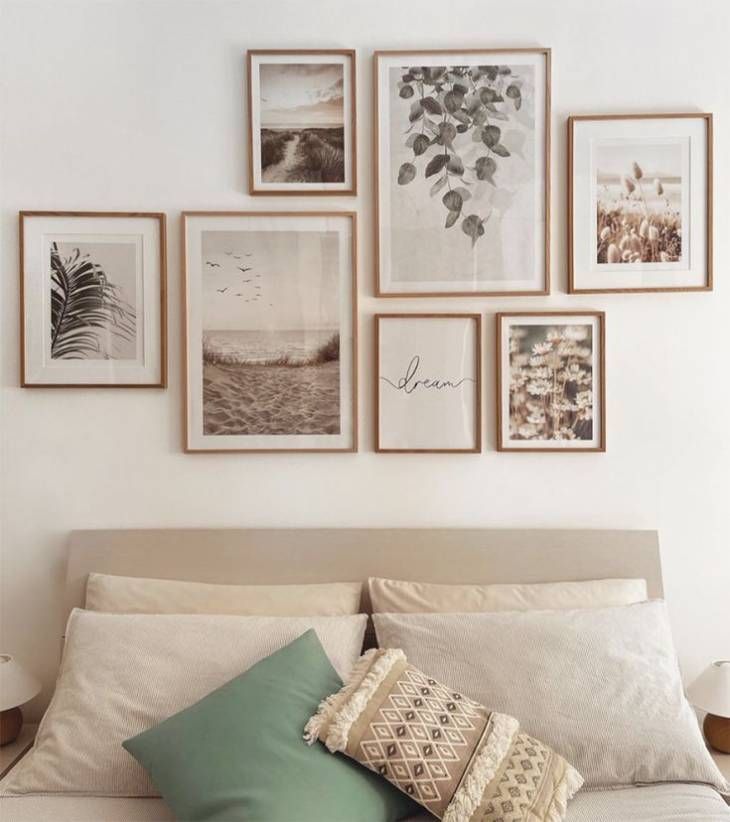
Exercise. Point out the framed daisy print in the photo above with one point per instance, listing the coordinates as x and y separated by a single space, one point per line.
551 381
640 203
462 147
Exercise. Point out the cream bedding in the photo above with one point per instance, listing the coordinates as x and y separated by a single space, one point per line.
657 803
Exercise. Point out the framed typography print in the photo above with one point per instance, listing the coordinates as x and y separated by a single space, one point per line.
301 107
428 382
270 314
640 202
93 292
462 147
551 381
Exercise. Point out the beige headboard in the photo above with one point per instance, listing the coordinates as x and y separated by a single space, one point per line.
260 556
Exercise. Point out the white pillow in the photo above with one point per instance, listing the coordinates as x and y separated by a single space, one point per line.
394 596
140 595
122 674
602 687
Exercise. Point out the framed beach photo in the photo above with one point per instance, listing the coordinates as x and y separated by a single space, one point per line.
302 121
270 331
428 383
93 294
462 148
551 381
640 203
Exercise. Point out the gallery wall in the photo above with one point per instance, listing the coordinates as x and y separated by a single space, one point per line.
140 106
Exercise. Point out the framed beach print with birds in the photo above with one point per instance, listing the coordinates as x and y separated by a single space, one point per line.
93 295
301 107
551 381
270 331
462 147
640 202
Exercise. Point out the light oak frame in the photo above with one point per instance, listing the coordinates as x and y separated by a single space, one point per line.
162 218
545 290
477 318
302 190
352 215
707 117
601 316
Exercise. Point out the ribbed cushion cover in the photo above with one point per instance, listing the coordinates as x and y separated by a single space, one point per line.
123 673
237 755
459 760
602 687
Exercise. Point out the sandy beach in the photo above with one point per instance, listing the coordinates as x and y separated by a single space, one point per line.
271 399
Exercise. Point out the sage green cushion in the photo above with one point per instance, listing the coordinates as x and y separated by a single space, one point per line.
238 754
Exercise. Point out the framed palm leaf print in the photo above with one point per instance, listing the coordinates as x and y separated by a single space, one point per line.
92 299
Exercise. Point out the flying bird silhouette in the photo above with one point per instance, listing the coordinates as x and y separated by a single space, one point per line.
228 253
240 295
212 265
222 290
248 255
257 275
236 258
246 281
243 268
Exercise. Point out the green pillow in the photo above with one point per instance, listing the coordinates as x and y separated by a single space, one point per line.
238 754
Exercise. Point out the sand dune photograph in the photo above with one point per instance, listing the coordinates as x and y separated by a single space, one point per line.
301 123
274 335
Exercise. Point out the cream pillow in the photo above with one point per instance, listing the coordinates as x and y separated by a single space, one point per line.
123 673
139 595
394 596
601 687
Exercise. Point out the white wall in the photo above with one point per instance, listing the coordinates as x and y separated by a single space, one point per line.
139 105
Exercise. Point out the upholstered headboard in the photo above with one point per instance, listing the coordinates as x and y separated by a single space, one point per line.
272 555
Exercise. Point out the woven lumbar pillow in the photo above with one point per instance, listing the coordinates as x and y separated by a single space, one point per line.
460 761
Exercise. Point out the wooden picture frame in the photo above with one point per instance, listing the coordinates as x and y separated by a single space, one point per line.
119 257
423 400
593 359
321 440
680 174
505 231
311 145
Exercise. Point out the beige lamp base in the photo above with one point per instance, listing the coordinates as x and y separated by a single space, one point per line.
11 721
717 732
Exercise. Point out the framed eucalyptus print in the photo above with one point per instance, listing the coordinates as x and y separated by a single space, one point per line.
93 291
463 176
428 383
270 331
301 106
551 381
640 203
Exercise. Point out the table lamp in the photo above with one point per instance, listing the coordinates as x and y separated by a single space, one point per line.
17 687
711 692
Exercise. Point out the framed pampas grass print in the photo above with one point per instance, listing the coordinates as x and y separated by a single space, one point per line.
462 148
640 203
93 299
270 331
302 121
428 383
551 381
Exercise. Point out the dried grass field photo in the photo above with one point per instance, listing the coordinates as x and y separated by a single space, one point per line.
551 394
638 204
301 112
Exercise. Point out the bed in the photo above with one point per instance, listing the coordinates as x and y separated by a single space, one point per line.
288 556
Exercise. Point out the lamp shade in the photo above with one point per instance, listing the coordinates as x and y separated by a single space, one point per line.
17 686
711 690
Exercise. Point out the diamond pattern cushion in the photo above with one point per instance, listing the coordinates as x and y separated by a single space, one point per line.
462 762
